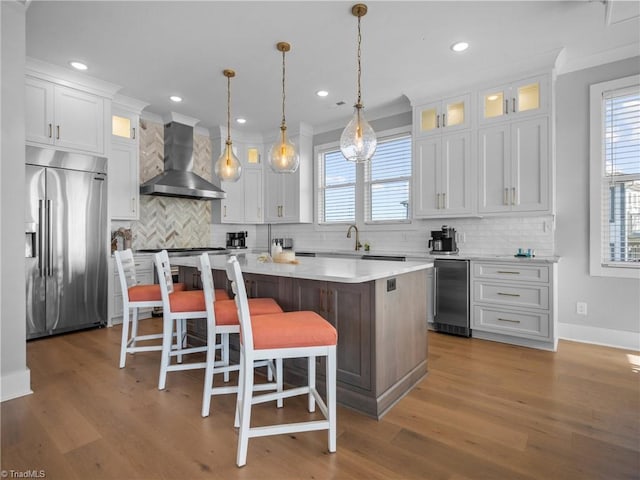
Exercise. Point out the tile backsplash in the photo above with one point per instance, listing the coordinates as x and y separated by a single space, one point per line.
490 236
167 221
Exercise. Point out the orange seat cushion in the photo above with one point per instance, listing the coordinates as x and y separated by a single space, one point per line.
227 312
292 329
150 293
187 301
221 294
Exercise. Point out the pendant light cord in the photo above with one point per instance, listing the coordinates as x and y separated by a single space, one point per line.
359 103
228 109
284 124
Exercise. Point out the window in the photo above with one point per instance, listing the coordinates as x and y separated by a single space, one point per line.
337 188
615 177
377 191
387 178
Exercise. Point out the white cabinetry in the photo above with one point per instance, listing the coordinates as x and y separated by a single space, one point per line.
144 275
64 117
289 196
442 116
515 303
518 99
244 201
442 170
514 167
124 165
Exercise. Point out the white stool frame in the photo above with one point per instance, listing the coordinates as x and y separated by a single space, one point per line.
248 354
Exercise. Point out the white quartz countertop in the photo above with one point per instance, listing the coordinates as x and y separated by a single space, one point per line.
342 270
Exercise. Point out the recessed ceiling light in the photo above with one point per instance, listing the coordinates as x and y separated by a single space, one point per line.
78 65
241 120
322 93
175 98
459 46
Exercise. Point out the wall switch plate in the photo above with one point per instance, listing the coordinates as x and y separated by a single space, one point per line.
581 308
391 284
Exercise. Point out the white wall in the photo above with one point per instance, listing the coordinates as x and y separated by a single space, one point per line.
14 374
613 303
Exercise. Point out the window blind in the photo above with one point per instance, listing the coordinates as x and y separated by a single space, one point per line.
387 181
621 177
337 189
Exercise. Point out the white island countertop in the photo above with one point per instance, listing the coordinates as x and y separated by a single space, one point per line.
342 270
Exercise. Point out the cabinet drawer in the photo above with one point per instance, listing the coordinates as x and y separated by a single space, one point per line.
530 296
521 324
511 273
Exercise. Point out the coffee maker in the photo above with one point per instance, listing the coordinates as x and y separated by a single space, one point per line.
237 239
443 241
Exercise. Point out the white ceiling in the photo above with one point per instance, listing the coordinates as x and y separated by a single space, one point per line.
157 49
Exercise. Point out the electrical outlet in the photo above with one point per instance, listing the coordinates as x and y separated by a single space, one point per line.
391 284
581 308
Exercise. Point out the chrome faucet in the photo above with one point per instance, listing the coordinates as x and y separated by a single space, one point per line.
358 244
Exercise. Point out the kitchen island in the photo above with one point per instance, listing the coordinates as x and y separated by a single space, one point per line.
379 309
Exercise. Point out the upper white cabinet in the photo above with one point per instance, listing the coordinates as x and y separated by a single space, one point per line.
443 183
124 159
514 167
244 201
514 100
64 117
442 116
289 196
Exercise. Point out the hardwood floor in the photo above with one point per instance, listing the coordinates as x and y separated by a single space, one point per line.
486 410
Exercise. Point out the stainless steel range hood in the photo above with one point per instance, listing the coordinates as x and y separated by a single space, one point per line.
178 178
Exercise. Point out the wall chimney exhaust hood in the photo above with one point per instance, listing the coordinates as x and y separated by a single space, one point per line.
178 178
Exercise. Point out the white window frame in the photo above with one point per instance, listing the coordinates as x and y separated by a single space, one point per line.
595 181
367 183
401 225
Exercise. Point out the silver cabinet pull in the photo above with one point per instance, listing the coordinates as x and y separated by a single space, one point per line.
437 121
50 130
513 104
437 200
506 271
133 204
57 132
225 212
506 106
505 197
513 195
509 294
508 320
134 133
444 123
444 200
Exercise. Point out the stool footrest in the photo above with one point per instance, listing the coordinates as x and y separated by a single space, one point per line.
288 428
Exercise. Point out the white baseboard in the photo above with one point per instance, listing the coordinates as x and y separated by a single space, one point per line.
15 384
600 336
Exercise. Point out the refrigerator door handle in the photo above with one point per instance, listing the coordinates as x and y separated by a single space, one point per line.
49 238
435 292
41 233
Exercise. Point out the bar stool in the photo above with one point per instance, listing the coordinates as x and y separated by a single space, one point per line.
135 296
222 319
279 336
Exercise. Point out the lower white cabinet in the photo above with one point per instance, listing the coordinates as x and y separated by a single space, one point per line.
144 275
514 303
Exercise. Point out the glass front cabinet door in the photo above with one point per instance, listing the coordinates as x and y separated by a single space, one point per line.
443 116
518 99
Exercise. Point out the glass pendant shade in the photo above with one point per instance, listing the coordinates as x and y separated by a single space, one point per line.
228 168
283 157
358 140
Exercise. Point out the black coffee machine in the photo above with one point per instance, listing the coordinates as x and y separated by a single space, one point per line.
237 239
443 241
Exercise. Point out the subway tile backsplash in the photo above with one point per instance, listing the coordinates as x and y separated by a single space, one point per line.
490 236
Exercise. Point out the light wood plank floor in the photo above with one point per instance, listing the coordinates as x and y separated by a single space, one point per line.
486 410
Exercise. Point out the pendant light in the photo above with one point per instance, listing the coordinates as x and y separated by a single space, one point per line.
228 168
283 157
358 140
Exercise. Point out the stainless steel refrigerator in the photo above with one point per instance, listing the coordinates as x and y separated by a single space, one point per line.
66 241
